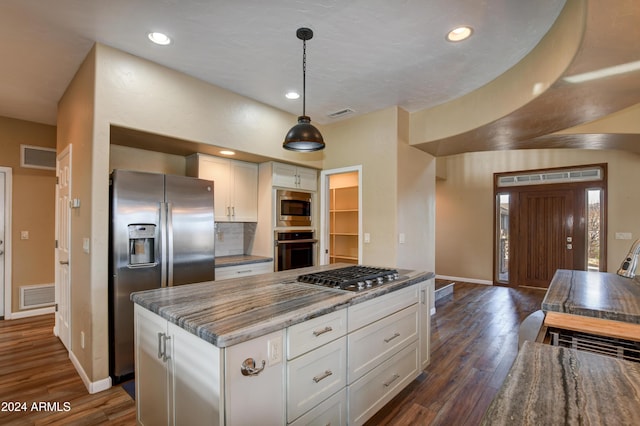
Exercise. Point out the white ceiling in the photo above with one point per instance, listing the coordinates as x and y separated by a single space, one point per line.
365 55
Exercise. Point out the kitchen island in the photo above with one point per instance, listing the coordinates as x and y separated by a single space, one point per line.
584 367
550 385
599 303
270 350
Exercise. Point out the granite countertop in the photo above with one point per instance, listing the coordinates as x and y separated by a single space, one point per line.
232 311
549 385
241 259
594 294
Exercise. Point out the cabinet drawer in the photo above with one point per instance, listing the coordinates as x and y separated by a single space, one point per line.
367 312
371 345
332 412
379 386
315 376
308 335
226 272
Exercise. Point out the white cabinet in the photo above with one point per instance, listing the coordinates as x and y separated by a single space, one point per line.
426 301
235 186
288 176
384 350
245 270
256 399
177 374
317 369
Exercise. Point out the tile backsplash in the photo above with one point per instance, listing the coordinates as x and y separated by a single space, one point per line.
234 238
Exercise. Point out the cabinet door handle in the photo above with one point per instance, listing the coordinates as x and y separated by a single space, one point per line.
323 376
248 367
393 379
233 211
387 340
160 335
321 332
165 357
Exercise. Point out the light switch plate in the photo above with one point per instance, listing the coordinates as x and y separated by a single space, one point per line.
86 245
367 237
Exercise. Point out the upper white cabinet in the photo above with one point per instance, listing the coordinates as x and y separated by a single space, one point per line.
235 186
288 176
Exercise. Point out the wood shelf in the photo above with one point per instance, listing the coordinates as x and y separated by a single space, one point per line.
343 232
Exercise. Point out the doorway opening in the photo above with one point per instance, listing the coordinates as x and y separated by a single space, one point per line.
341 216
547 220
5 242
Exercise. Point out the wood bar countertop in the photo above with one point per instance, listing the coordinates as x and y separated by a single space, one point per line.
600 295
235 310
549 385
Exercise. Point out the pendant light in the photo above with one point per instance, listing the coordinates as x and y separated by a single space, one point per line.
303 137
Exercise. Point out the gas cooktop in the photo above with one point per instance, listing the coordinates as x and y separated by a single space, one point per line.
352 278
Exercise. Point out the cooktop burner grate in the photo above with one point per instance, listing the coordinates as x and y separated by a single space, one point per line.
352 278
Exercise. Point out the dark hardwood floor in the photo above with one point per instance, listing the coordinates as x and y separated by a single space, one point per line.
474 340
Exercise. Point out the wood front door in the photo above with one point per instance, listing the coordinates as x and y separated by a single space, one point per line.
545 238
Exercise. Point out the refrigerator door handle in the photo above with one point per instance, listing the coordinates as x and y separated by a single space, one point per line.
163 244
169 264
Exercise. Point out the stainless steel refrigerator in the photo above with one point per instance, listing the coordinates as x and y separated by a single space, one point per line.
161 234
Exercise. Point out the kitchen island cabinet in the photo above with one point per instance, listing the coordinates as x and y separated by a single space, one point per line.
288 330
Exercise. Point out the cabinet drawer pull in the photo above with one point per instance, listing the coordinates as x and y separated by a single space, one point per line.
248 367
387 340
393 379
324 330
246 271
324 375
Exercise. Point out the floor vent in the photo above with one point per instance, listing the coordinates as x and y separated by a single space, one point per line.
37 157
37 296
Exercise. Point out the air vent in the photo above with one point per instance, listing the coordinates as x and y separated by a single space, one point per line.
341 113
37 296
556 176
37 157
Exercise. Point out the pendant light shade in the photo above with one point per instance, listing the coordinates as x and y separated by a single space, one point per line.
304 137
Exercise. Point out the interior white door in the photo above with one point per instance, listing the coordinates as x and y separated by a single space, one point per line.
63 237
2 240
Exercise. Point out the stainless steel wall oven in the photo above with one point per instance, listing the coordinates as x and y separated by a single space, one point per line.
294 249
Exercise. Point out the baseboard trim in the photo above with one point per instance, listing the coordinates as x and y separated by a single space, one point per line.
466 280
31 313
92 387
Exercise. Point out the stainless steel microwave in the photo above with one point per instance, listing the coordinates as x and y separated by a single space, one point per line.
293 208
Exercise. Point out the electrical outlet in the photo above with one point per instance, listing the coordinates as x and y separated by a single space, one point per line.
401 237
24 235
274 351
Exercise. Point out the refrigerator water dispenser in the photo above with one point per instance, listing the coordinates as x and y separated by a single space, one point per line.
141 244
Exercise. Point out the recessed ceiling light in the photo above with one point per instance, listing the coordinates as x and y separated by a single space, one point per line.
292 95
459 33
159 38
227 152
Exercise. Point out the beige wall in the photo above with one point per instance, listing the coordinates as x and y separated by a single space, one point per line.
398 190
370 140
126 158
33 204
464 213
88 299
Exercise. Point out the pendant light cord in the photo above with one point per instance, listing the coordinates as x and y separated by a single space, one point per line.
304 76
